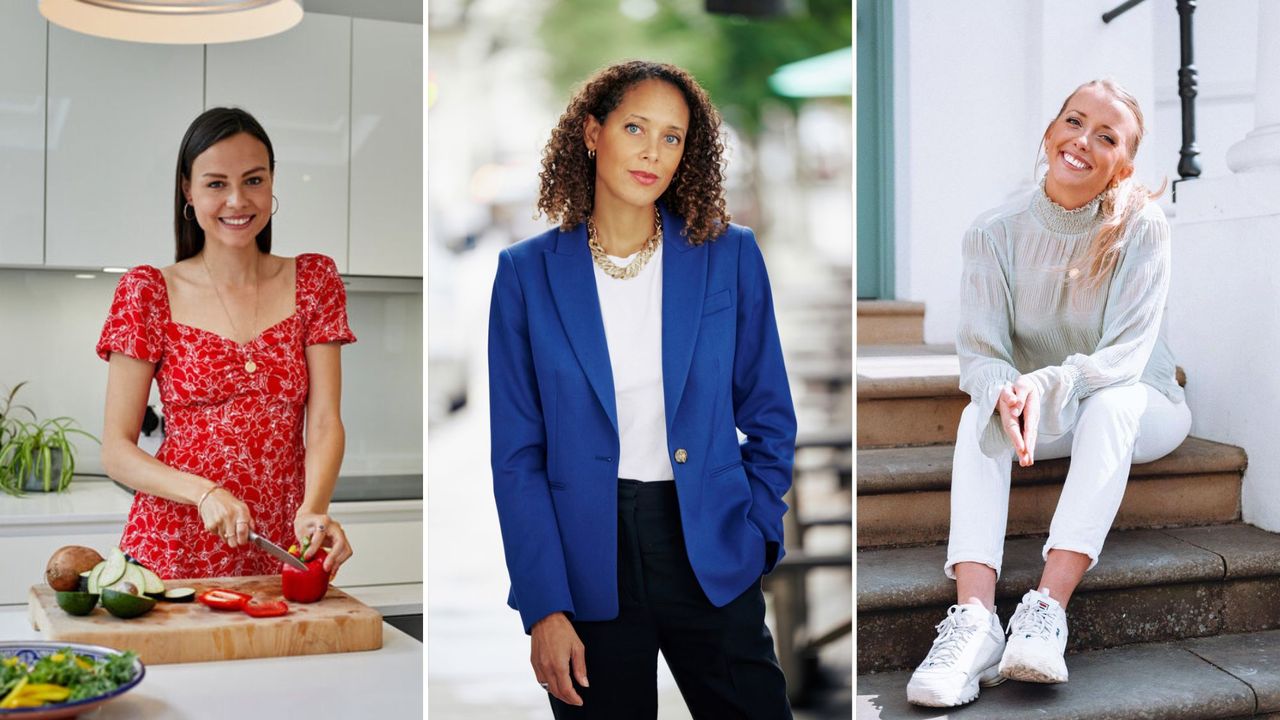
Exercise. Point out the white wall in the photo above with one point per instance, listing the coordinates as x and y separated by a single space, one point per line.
975 85
52 322
1224 295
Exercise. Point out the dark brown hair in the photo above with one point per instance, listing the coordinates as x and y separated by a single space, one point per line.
212 126
696 193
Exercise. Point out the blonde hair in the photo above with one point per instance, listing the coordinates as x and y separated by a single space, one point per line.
1122 202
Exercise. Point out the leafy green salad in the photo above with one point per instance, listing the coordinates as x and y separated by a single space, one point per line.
62 676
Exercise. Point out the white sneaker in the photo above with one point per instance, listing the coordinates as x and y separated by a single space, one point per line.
965 654
1037 641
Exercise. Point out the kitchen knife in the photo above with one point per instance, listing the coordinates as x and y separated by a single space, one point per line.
274 549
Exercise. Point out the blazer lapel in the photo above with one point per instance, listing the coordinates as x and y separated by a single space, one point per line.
684 282
573 285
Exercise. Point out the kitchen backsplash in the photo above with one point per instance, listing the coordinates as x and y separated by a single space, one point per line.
50 321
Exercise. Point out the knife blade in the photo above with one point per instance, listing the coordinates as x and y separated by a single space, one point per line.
276 551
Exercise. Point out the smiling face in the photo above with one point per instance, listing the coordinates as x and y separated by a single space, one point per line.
639 145
1090 146
230 190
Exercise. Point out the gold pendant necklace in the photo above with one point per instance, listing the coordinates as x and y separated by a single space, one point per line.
249 365
624 272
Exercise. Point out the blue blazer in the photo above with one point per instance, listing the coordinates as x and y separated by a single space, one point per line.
554 424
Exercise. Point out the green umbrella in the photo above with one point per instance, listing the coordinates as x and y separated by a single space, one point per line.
826 75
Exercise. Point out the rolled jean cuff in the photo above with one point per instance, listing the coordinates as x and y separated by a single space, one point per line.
1092 553
949 568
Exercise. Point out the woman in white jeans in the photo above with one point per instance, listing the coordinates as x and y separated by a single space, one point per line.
1062 352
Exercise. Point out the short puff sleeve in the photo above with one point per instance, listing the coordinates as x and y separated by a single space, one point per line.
325 299
135 323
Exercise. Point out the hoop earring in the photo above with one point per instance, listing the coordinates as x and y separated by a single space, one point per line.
276 209
185 207
591 154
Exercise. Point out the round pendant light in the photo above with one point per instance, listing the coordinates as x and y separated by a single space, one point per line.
178 22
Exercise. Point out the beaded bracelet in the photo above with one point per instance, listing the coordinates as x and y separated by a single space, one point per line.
200 504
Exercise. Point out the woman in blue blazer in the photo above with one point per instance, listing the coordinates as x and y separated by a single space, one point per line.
628 348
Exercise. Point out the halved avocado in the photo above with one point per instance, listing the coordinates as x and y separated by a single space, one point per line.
126 605
92 585
84 581
77 603
113 571
153 584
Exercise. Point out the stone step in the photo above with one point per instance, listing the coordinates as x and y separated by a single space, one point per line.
908 395
882 322
904 494
1148 586
1228 676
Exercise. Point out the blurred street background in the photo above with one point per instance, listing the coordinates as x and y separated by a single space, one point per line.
500 72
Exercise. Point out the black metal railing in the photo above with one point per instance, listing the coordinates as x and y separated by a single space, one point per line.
1188 87
1189 165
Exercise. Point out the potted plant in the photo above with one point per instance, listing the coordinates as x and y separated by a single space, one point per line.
35 454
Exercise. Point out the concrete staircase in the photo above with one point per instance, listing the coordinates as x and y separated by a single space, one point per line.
1177 620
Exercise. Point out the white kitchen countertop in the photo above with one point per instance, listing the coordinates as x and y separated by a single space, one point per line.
385 683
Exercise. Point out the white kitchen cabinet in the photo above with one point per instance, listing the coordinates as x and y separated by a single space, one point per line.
298 85
22 68
386 149
117 114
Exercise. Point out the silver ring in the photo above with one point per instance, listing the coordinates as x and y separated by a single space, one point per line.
242 522
320 528
545 686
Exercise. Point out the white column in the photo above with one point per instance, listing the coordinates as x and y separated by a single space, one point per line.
1260 149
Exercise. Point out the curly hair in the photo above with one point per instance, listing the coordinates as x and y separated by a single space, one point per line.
696 193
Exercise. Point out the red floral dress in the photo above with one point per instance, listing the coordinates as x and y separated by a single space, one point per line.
239 429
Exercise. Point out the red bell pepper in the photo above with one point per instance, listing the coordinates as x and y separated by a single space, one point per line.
305 586
223 599
260 609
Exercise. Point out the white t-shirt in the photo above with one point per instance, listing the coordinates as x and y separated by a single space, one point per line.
632 311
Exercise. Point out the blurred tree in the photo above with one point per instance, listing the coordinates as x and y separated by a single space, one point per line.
731 56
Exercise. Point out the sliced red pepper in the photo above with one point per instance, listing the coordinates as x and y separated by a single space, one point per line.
223 599
305 586
260 609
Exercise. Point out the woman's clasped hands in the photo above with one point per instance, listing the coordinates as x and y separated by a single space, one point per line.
1019 409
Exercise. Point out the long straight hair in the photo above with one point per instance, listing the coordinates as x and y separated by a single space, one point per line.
212 126
1120 203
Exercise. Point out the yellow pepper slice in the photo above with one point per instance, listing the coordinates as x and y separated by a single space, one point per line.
47 691
15 695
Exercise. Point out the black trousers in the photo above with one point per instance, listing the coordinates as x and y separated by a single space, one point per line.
722 658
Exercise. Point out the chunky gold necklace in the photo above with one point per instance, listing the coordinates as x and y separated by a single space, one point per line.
633 268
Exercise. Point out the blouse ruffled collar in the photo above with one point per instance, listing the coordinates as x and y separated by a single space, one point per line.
1059 219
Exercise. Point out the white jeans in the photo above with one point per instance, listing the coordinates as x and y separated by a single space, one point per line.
1116 427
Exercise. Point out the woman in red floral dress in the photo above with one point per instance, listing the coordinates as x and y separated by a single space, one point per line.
245 348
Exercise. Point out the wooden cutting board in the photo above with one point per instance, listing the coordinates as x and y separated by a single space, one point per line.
191 632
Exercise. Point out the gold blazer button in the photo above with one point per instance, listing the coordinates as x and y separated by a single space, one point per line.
681 455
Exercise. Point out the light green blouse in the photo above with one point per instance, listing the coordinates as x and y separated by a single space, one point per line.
1023 312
